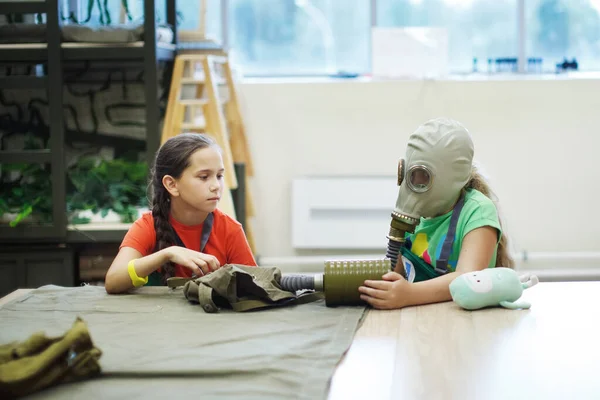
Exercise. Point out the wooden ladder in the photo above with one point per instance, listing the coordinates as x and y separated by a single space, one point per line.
240 148
212 112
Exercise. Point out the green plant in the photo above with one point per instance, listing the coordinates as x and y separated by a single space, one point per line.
25 190
92 184
104 185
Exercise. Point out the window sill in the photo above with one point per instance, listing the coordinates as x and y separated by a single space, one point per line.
479 77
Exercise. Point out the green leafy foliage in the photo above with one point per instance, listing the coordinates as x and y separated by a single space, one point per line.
92 184
26 189
104 185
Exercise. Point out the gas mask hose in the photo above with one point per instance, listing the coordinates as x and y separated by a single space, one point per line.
339 281
293 283
398 228
393 251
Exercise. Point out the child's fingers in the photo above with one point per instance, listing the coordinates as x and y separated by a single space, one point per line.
382 285
203 265
211 261
375 293
195 269
376 303
392 276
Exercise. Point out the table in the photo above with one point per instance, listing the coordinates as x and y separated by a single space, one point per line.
440 351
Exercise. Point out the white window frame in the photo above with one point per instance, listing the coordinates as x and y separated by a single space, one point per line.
521 32
200 33
193 35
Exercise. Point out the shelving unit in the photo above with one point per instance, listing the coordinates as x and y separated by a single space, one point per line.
58 242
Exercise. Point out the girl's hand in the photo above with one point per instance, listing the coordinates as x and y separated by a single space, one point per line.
390 293
199 263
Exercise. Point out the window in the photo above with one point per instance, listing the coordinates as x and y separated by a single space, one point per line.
190 20
325 37
558 29
479 29
189 16
93 12
300 37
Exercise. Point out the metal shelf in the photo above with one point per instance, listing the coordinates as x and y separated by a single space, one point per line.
26 232
55 53
23 82
23 7
26 156
97 233
38 52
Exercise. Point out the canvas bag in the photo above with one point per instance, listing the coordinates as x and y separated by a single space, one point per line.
241 288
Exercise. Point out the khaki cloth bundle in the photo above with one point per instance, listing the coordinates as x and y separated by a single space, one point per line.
240 288
40 361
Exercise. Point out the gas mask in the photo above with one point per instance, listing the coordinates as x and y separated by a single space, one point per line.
437 165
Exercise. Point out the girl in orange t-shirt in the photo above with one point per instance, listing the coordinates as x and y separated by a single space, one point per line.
184 234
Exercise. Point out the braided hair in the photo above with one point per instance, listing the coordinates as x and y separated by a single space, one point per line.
171 159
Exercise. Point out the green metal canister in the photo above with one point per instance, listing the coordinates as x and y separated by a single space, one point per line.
341 279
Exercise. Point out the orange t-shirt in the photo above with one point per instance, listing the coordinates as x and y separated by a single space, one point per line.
227 240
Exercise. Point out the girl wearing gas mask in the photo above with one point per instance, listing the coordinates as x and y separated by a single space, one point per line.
445 222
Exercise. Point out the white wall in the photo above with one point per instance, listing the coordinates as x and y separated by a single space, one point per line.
538 141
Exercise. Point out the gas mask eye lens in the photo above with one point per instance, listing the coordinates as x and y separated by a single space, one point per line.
419 179
400 171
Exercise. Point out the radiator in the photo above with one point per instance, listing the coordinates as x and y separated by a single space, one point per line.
353 213
342 212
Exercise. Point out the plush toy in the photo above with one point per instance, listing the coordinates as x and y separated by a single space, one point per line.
491 287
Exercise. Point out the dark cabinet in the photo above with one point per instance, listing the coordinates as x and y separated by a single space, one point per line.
32 267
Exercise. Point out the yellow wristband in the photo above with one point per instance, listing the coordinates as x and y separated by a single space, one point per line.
135 279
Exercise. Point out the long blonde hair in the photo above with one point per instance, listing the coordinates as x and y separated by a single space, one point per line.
479 182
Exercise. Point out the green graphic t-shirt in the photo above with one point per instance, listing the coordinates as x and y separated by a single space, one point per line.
427 240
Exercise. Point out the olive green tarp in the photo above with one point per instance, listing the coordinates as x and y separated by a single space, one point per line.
156 344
